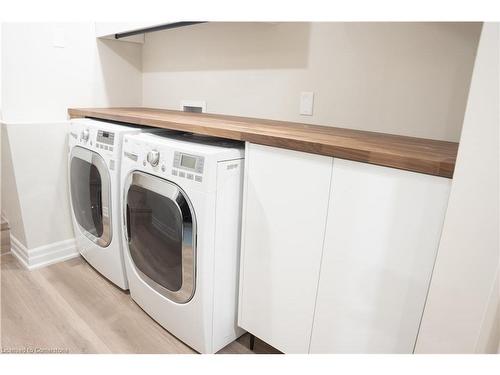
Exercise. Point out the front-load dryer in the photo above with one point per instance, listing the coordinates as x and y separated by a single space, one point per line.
181 205
94 176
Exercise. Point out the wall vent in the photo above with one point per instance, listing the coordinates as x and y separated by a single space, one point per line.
194 106
190 108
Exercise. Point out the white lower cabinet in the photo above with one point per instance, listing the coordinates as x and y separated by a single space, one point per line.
336 255
382 235
284 215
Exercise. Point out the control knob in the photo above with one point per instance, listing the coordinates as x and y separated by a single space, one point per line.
85 135
153 157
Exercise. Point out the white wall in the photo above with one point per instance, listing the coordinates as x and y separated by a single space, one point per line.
401 78
40 81
11 208
461 315
488 340
39 160
1 49
2 142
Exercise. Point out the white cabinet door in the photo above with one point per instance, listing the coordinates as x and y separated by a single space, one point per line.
381 240
284 215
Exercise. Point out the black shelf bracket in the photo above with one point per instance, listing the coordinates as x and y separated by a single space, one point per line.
166 26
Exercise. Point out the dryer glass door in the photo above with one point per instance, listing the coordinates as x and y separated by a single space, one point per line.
161 235
90 195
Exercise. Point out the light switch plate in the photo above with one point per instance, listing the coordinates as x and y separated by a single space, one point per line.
306 103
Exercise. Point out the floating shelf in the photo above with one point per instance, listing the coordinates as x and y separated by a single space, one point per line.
166 26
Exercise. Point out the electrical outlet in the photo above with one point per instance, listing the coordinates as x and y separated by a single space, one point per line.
306 103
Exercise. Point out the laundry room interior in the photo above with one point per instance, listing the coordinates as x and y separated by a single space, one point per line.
250 187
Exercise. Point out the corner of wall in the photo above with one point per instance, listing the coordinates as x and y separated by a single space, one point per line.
11 206
461 314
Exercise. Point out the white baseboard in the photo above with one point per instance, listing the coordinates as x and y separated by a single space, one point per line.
19 250
43 255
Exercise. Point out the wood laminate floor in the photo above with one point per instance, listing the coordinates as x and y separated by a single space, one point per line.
70 307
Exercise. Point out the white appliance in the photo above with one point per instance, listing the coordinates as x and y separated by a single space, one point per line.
94 176
182 209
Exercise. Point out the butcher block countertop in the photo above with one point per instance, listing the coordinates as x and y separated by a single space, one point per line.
408 153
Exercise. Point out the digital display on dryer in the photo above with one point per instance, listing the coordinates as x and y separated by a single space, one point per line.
188 161
106 137
193 163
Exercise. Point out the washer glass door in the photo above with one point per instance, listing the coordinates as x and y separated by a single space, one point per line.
161 235
90 195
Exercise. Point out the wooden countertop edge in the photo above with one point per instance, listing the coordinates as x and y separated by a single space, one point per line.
432 165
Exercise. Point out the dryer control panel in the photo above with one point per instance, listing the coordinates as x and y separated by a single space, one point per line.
93 138
105 140
189 162
186 163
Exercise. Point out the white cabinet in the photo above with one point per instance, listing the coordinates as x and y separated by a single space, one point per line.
382 235
284 215
336 255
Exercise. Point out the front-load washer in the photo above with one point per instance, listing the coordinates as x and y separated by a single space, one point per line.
94 176
181 207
